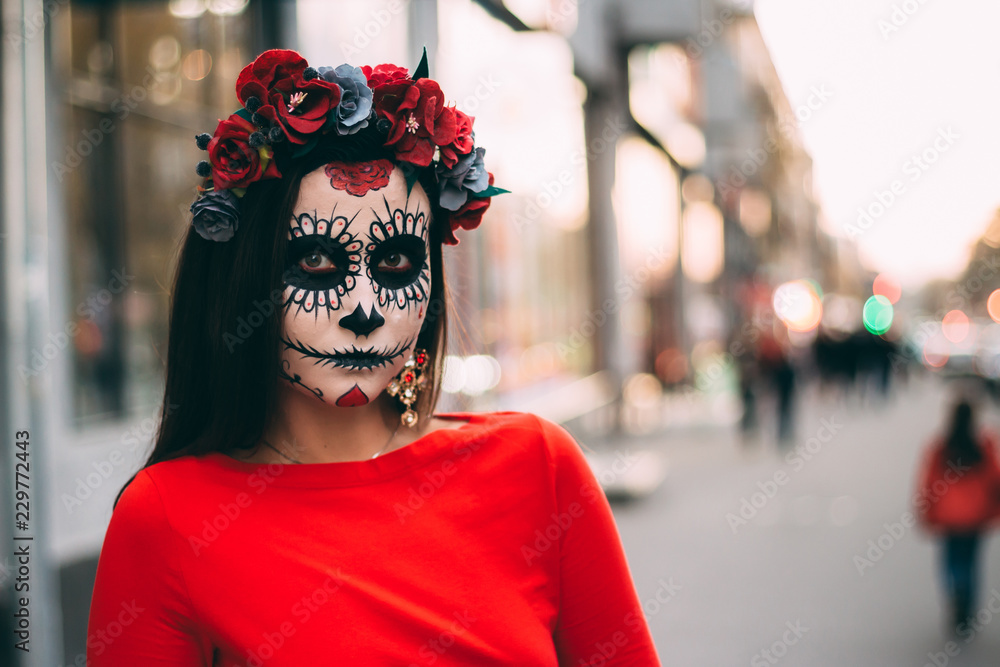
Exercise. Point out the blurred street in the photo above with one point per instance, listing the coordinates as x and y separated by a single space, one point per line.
729 597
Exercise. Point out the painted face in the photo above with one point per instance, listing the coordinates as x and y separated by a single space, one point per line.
357 281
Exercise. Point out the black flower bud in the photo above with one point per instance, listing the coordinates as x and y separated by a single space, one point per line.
383 125
253 103
259 120
202 140
257 139
310 73
204 169
276 135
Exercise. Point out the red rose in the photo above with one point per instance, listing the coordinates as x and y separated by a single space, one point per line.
300 107
234 163
383 74
357 178
270 67
420 121
467 217
462 144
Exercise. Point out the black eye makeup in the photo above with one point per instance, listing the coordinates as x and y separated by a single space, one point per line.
397 261
322 262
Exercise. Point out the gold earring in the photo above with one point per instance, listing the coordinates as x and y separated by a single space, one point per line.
407 385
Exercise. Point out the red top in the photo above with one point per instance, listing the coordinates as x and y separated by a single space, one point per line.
487 544
956 496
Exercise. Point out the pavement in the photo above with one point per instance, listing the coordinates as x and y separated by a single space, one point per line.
747 554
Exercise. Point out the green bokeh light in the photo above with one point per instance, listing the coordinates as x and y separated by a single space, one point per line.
877 315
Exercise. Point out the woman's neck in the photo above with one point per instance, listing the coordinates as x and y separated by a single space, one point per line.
309 431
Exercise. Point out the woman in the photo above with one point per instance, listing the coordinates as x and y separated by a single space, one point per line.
959 496
302 503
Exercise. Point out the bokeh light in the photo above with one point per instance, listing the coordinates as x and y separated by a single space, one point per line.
993 305
955 326
877 314
798 306
936 351
887 286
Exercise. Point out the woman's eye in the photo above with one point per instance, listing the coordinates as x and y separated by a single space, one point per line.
317 262
395 262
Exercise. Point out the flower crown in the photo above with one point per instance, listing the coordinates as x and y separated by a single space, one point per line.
288 106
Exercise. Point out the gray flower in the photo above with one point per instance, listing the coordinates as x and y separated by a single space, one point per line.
355 100
468 175
216 215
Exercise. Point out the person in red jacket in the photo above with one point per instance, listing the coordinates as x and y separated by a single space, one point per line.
303 504
957 499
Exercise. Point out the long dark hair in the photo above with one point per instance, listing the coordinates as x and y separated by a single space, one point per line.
223 352
961 443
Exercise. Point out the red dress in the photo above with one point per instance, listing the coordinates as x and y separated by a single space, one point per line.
957 497
487 544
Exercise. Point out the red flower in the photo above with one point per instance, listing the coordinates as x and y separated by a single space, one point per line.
357 178
420 121
270 67
467 217
462 144
383 74
300 107
234 163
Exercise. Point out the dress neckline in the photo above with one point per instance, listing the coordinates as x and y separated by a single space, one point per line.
428 447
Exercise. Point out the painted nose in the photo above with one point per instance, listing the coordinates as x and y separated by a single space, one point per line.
360 323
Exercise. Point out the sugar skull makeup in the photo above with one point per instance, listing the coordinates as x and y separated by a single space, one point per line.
357 281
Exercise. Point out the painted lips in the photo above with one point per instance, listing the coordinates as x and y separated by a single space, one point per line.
355 359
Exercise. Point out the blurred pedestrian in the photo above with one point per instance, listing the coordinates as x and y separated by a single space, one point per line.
957 498
778 369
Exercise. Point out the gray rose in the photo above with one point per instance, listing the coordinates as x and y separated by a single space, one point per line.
355 100
468 175
216 215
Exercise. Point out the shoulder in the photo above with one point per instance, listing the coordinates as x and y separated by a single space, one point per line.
532 428
140 513
537 437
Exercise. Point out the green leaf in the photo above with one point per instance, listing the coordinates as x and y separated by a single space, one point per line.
489 192
306 147
422 69
411 178
244 114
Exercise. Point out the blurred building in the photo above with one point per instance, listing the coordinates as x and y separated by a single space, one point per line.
653 158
